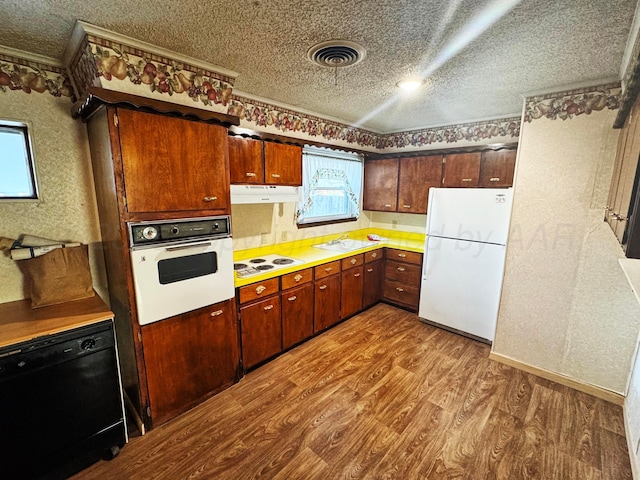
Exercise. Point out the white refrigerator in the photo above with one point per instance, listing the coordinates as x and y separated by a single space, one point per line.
464 254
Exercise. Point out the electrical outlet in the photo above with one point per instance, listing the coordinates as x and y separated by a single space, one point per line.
394 224
264 238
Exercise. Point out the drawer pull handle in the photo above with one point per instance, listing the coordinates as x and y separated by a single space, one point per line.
388 205
356 275
298 277
401 269
353 261
291 299
369 270
407 206
275 175
494 179
268 307
322 287
374 254
210 199
402 255
467 179
250 174
216 313
400 289
328 269
260 289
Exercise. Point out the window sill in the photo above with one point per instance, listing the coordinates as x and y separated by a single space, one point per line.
325 222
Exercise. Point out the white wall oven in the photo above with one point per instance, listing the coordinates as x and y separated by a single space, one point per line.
180 265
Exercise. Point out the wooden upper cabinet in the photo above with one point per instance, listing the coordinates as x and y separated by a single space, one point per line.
173 164
282 164
461 170
245 160
381 185
496 168
417 175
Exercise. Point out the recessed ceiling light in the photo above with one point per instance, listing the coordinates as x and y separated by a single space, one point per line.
410 85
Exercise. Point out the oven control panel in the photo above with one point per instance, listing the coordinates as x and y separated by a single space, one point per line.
161 231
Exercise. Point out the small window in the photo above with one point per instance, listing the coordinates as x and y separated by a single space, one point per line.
331 186
18 179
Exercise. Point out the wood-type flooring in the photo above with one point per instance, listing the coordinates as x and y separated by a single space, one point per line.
384 396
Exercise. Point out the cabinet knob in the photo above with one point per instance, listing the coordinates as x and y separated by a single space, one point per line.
210 199
356 275
322 287
260 289
388 205
298 277
374 254
268 307
494 179
401 269
275 175
353 261
467 179
402 255
328 269
369 270
291 299
250 174
400 289
216 313
407 206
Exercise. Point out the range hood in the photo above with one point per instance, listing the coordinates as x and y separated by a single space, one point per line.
265 194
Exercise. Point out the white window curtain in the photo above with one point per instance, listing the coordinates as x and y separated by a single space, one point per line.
331 185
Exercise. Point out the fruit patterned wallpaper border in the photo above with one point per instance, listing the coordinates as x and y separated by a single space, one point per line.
571 103
20 74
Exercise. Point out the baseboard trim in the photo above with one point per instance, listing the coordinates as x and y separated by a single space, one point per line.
599 392
633 459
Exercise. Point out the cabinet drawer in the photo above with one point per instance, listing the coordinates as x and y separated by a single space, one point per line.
296 278
326 269
373 255
258 290
402 272
353 261
404 256
408 295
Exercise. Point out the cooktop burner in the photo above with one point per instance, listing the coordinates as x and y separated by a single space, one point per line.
255 266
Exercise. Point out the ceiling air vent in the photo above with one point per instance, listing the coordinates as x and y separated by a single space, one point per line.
336 53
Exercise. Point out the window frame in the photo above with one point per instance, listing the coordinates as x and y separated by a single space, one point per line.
343 155
25 128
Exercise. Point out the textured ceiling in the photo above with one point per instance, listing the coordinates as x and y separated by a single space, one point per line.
480 56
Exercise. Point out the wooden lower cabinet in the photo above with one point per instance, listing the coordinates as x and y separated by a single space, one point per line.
402 278
326 308
297 315
189 358
373 283
352 285
261 331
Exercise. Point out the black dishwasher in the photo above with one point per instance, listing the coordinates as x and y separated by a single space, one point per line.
60 403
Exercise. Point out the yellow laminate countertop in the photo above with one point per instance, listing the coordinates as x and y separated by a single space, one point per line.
312 256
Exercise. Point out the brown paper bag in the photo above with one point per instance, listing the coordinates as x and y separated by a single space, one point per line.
62 275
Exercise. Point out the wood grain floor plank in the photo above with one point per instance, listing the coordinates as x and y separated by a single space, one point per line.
384 396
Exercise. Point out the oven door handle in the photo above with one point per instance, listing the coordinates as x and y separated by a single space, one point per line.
184 247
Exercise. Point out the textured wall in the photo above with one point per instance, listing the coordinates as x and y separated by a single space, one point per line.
566 305
67 209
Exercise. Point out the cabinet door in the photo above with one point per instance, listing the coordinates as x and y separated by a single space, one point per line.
297 315
173 164
245 160
190 357
282 164
261 331
372 288
381 185
417 175
496 168
461 170
352 287
326 310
